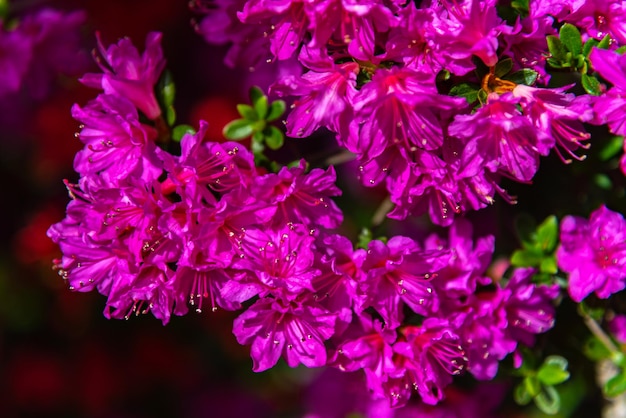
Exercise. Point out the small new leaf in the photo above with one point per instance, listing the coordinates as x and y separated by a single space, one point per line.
247 112
181 130
273 137
553 371
548 400
259 101
548 233
616 385
277 108
521 395
238 129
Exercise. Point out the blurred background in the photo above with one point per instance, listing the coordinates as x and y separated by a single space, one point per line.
59 356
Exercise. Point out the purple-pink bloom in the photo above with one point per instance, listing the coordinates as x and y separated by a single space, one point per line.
117 145
128 74
397 273
499 137
593 253
294 329
301 197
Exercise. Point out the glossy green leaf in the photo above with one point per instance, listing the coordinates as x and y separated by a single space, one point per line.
466 90
181 130
274 137
591 84
247 112
503 67
277 108
588 46
558 51
605 43
571 39
524 76
616 385
238 129
548 400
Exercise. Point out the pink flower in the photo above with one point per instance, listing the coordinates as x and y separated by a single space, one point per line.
130 75
593 253
294 329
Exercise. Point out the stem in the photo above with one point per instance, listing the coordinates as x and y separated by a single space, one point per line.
384 208
600 334
339 158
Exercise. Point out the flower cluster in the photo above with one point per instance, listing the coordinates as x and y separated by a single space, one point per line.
159 231
386 78
38 47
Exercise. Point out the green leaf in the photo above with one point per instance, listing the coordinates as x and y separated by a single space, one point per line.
259 101
532 385
521 395
548 400
181 130
570 37
594 313
595 350
364 238
238 129
611 148
521 6
247 112
621 49
166 89
556 48
591 84
588 46
616 385
258 137
605 42
553 371
526 258
277 108
274 137
524 76
467 90
482 96
257 148
170 115
603 181
503 67
548 234
548 265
